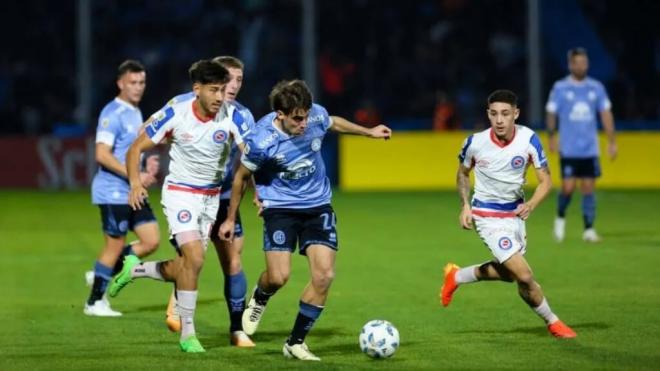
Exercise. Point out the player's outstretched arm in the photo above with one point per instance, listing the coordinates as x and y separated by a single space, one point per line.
541 192
138 180
463 187
343 126
241 177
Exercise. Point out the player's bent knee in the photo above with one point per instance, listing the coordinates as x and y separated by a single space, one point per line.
278 279
323 280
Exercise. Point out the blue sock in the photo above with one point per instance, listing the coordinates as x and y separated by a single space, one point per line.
562 204
102 275
588 210
128 250
235 290
307 315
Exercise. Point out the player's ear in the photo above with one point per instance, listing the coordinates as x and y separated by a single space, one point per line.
196 88
516 113
280 115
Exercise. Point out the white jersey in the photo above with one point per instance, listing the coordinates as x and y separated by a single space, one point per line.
200 146
500 169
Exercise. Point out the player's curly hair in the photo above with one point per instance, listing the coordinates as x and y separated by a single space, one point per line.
289 95
503 96
206 71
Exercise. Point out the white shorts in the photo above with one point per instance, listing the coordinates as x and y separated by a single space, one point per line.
503 236
188 211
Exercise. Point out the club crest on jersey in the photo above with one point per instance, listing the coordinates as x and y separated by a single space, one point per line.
220 136
316 144
184 216
279 237
505 243
517 162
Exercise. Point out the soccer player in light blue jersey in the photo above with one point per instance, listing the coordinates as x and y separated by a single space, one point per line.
578 101
118 127
229 252
284 154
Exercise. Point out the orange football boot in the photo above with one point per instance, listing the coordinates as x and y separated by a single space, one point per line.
559 329
449 285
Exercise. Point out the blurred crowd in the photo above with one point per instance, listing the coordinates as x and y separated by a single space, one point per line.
424 63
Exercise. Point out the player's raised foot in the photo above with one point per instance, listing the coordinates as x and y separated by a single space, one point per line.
191 345
298 351
123 278
590 235
252 315
241 340
449 285
559 230
173 322
172 319
559 329
89 278
100 308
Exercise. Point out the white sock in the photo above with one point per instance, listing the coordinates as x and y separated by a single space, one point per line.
147 269
185 304
545 312
466 275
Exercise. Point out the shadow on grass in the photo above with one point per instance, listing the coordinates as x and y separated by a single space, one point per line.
539 330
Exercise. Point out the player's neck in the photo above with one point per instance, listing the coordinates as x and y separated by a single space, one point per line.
202 114
127 101
577 79
504 140
279 125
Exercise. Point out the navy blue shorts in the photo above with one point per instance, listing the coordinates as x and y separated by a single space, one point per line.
119 219
222 215
285 229
579 167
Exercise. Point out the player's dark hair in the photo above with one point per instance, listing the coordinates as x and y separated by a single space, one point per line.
227 61
288 96
129 65
208 72
503 96
575 52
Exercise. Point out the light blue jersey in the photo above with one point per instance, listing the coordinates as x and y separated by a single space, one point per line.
118 127
289 170
247 125
577 105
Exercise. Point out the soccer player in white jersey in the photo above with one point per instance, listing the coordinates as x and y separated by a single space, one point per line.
201 133
579 101
500 157
118 127
229 252
284 153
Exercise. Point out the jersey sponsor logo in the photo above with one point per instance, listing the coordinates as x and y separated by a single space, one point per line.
279 237
184 216
187 137
504 243
268 140
220 136
483 164
316 144
580 112
316 118
517 162
299 170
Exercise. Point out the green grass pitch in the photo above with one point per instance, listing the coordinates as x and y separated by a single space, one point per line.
392 250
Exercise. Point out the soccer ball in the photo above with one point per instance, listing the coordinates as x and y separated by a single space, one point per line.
379 339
